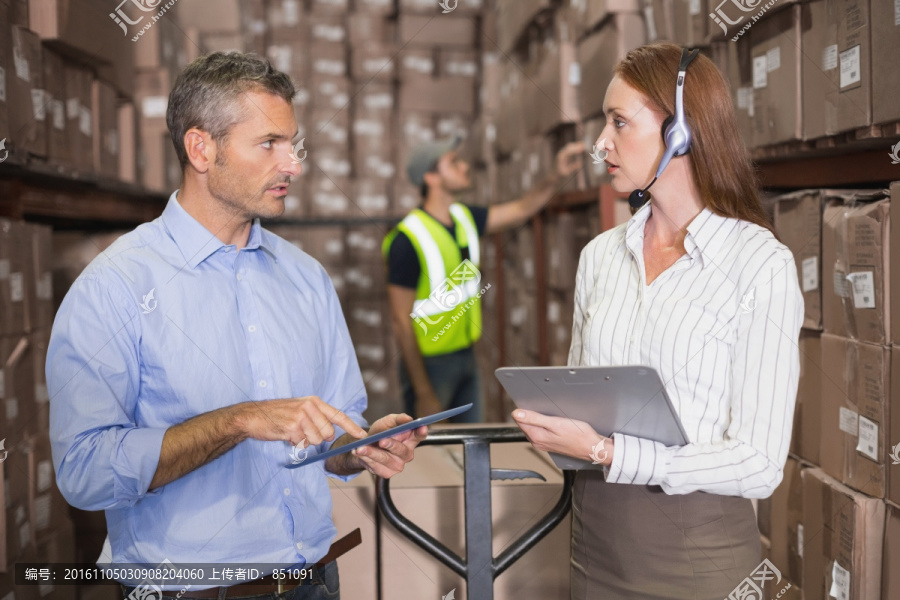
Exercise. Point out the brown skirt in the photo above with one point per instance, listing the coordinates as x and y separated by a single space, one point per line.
635 541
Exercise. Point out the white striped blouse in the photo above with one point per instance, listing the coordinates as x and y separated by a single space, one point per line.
721 327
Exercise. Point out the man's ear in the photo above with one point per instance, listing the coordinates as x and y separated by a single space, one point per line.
201 149
433 179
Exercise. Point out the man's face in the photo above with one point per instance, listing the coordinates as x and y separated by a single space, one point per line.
253 166
454 172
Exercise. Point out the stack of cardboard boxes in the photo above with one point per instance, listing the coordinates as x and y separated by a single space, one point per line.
826 524
36 526
810 70
68 84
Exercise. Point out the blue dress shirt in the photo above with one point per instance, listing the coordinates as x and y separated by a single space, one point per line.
169 323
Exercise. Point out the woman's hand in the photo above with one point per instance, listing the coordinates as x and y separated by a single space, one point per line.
564 436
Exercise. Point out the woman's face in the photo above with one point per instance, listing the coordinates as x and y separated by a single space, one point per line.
631 136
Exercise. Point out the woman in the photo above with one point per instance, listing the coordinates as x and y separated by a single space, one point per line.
697 286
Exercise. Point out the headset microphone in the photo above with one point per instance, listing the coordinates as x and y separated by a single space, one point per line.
675 131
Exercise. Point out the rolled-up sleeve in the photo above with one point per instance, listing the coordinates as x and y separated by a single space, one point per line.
103 459
765 369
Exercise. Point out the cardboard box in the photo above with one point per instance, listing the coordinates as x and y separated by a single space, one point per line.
79 115
437 95
283 13
13 277
106 129
775 55
330 196
598 54
856 413
807 434
798 222
353 506
328 6
551 95
25 94
837 82
373 199
855 266
658 18
379 7
368 28
210 15
597 11
429 492
893 480
895 260
328 58
449 30
38 274
472 7
514 17
81 29
690 23
842 540
779 520
54 107
885 35
416 63
890 586
374 62
128 141
48 509
290 57
735 64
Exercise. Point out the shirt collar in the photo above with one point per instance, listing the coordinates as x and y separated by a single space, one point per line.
704 233
196 242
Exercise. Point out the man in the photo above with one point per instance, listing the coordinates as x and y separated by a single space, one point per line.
201 354
433 279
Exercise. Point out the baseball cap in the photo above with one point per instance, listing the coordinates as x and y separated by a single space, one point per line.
423 158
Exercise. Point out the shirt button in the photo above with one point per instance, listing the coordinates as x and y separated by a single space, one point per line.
299 545
287 491
262 383
240 276
252 328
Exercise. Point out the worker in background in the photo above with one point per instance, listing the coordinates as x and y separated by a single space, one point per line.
434 285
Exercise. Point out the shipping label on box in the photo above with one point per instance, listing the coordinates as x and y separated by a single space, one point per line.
856 413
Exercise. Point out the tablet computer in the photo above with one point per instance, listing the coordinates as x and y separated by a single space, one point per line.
301 457
629 399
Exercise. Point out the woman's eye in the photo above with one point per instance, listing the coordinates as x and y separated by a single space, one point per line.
619 122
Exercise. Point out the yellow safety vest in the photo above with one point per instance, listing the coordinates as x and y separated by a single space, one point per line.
447 312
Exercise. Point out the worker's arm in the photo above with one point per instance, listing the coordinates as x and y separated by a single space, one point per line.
402 300
201 439
516 212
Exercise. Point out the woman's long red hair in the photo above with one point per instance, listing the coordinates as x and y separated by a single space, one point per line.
720 162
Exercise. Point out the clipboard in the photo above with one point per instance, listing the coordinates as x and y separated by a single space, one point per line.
628 399
366 441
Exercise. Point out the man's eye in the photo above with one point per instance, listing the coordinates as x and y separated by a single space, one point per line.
267 144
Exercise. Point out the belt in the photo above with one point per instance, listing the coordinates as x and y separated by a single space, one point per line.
270 585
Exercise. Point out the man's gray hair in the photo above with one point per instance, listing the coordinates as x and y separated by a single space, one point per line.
207 94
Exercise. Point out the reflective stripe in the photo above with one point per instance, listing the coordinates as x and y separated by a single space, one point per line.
434 260
462 216
427 306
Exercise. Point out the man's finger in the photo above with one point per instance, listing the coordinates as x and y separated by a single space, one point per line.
346 423
320 422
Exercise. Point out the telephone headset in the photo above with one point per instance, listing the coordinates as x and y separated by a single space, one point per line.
676 132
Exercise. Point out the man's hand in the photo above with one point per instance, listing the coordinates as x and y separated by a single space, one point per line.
293 420
569 159
387 457
427 405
